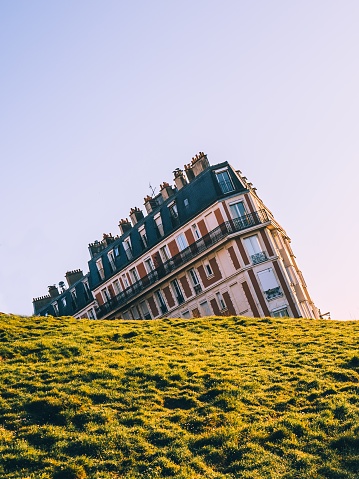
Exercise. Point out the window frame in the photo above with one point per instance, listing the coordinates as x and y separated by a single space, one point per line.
225 190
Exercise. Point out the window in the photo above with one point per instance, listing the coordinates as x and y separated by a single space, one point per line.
177 291
205 309
195 282
105 295
116 287
280 313
135 312
159 225
125 281
165 254
254 249
143 236
87 291
237 209
196 233
111 259
64 302
145 311
181 242
91 314
116 251
73 299
222 304
208 269
56 308
224 181
194 277
240 217
186 314
149 265
134 275
173 214
161 302
269 284
100 270
186 202
128 248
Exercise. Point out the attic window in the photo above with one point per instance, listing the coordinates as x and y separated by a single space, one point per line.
224 181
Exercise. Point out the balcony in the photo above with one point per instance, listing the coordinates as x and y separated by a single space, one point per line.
259 257
273 293
204 243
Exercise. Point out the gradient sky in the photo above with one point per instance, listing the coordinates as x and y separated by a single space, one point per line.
100 98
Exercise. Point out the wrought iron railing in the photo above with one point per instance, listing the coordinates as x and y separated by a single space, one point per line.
195 249
259 257
273 293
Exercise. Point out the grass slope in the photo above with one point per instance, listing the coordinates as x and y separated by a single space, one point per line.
205 398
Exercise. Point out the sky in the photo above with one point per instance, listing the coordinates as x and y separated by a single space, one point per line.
100 99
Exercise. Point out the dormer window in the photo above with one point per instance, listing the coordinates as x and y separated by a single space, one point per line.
87 290
224 181
100 270
111 259
172 208
128 248
73 299
159 225
56 308
143 236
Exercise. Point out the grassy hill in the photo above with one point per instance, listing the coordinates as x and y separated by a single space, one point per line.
205 398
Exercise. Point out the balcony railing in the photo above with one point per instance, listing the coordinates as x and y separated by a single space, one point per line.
195 249
259 257
197 288
273 293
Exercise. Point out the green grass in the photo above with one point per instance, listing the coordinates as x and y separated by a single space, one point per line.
206 398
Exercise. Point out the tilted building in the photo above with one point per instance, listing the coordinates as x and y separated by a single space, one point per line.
206 246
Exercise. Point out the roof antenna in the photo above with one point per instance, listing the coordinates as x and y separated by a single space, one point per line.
152 189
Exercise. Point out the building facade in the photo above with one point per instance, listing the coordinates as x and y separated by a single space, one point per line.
206 246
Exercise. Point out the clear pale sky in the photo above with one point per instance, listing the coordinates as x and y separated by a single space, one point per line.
100 98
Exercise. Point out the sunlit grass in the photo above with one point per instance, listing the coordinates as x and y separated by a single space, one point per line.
205 398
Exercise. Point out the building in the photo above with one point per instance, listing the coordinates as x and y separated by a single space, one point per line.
207 245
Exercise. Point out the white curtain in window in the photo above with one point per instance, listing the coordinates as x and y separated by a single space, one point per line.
267 279
237 210
252 245
182 242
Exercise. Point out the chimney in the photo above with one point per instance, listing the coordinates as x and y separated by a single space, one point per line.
124 226
40 302
189 172
95 248
199 163
166 190
150 204
107 239
73 276
53 291
179 178
136 215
